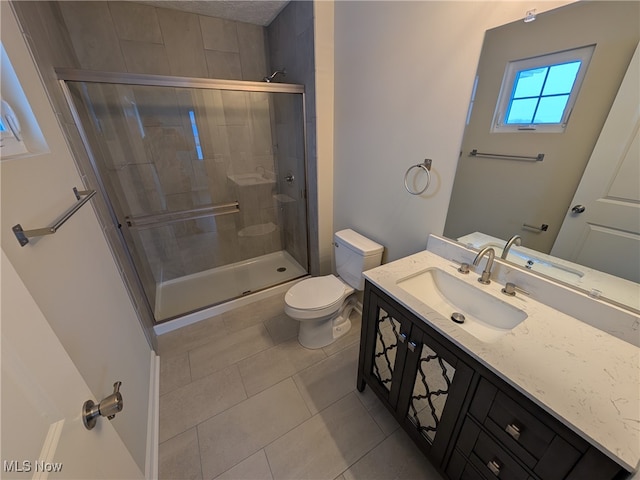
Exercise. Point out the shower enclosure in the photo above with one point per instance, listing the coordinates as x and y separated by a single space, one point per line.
205 180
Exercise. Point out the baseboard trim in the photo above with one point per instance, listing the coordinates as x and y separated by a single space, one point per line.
153 419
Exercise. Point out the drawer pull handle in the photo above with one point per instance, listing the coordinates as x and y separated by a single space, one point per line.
494 465
402 337
513 430
412 346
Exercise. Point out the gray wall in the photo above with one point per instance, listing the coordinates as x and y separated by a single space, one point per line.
135 38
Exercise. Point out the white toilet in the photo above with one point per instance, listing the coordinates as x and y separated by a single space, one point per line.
323 305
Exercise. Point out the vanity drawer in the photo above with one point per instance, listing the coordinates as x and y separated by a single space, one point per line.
487 457
532 441
460 469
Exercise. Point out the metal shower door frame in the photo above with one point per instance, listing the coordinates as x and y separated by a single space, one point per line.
65 75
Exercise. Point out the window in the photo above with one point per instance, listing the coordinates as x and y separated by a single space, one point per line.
538 93
196 135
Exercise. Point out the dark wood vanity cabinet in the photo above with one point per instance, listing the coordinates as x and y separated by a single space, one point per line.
419 380
470 423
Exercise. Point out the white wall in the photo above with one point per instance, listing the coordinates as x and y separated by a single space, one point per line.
72 275
403 78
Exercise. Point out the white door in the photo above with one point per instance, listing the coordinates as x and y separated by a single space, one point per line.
42 396
604 231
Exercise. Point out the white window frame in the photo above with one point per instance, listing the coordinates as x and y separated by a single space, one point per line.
498 125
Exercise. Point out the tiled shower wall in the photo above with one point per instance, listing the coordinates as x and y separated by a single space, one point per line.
134 38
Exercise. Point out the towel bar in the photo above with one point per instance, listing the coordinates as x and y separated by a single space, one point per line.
164 218
23 236
537 158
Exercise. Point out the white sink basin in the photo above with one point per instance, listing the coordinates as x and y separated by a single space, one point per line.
486 317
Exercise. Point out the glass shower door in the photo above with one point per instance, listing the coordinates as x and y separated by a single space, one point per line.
207 187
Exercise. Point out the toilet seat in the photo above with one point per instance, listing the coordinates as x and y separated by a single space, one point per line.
316 293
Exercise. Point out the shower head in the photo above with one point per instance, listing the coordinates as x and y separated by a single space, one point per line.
270 78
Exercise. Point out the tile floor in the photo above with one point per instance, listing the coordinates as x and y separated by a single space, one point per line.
241 399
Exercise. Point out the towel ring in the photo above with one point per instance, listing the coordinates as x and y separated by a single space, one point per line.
426 166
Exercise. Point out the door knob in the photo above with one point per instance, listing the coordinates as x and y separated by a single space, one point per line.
578 209
108 407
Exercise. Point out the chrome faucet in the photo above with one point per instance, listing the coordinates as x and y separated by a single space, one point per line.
485 278
505 251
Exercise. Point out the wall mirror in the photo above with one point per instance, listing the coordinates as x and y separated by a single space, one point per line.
507 189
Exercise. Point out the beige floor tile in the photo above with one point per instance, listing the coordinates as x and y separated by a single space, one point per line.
191 336
329 380
254 313
174 372
275 364
256 467
241 431
187 406
179 457
327 444
282 328
227 350
397 457
383 417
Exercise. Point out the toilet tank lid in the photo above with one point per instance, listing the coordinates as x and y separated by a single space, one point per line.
357 242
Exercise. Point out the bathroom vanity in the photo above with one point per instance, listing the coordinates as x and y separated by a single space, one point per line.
544 397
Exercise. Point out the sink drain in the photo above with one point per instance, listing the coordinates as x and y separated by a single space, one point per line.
281 269
457 317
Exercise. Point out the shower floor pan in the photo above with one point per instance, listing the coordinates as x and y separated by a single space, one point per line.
192 292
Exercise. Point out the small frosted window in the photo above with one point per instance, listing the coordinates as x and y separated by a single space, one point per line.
196 135
539 93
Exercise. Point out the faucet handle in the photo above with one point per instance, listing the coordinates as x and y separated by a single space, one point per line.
463 268
511 288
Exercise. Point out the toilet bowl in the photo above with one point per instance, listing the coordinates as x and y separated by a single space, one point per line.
324 304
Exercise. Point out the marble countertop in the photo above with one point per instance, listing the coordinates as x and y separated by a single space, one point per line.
586 378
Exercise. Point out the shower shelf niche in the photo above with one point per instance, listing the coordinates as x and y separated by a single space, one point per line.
257 230
247 179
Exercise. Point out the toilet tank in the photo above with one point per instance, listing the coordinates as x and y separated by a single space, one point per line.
355 254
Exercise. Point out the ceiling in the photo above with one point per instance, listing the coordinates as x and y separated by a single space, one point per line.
257 12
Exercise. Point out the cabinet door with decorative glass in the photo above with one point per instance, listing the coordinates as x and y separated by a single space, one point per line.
435 385
385 337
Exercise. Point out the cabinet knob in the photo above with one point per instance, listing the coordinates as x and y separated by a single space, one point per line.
402 337
412 346
494 465
513 430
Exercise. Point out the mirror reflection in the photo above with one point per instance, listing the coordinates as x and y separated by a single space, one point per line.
566 183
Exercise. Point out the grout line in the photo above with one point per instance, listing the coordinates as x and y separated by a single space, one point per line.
199 451
189 364
264 449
